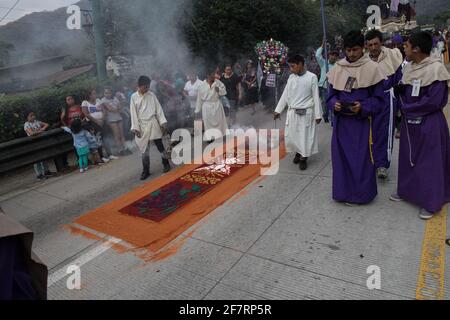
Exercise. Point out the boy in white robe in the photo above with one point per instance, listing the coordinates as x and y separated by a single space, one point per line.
302 98
148 124
209 104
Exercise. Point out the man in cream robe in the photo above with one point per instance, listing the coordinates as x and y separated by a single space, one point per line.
210 106
390 64
148 123
302 98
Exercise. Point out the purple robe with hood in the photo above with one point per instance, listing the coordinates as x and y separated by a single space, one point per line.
390 62
354 174
424 167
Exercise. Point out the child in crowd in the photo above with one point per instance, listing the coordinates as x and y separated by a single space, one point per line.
34 128
95 147
81 142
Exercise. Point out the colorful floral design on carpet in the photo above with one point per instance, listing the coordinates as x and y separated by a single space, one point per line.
160 204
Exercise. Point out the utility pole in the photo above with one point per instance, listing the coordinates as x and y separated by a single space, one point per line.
324 23
99 33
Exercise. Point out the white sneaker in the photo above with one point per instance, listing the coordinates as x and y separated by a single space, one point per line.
425 215
105 160
81 170
395 198
353 205
113 157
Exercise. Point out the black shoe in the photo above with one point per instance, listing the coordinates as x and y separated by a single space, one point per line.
50 174
42 177
145 175
167 168
303 165
297 158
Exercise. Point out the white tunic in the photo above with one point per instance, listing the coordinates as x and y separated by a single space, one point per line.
208 103
301 92
147 117
192 90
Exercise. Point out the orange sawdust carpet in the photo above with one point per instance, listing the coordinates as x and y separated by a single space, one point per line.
135 219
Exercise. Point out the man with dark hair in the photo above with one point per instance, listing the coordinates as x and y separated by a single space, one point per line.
355 96
301 96
210 106
333 57
231 82
390 63
424 165
148 123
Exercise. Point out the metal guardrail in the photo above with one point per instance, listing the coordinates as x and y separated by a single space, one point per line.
23 152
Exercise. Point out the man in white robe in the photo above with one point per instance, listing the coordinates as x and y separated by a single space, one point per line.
302 98
209 104
148 124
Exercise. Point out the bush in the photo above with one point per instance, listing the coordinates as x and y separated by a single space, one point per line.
46 103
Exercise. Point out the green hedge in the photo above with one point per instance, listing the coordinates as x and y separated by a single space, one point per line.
46 103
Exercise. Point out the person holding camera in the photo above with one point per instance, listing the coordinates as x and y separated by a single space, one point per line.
356 94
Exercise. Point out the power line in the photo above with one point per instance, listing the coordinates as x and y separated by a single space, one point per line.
17 9
10 10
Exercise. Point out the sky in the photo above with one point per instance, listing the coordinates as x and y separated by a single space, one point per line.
25 7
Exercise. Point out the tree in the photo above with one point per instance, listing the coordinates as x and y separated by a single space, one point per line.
232 28
442 19
218 30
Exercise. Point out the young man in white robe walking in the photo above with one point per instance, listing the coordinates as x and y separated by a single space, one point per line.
210 106
148 124
302 98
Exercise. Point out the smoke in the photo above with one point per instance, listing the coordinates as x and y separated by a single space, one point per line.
42 35
152 31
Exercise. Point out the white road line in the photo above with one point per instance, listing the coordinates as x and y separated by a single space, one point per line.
82 260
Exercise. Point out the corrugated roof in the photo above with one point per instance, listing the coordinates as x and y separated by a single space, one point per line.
33 62
62 76
54 79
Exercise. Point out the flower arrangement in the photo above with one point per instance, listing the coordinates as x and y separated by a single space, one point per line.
272 55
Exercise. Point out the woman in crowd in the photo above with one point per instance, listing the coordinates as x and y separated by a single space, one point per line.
95 121
231 82
122 96
71 111
114 120
251 86
313 65
447 48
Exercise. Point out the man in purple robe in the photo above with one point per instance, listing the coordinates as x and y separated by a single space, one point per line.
424 165
356 94
390 63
